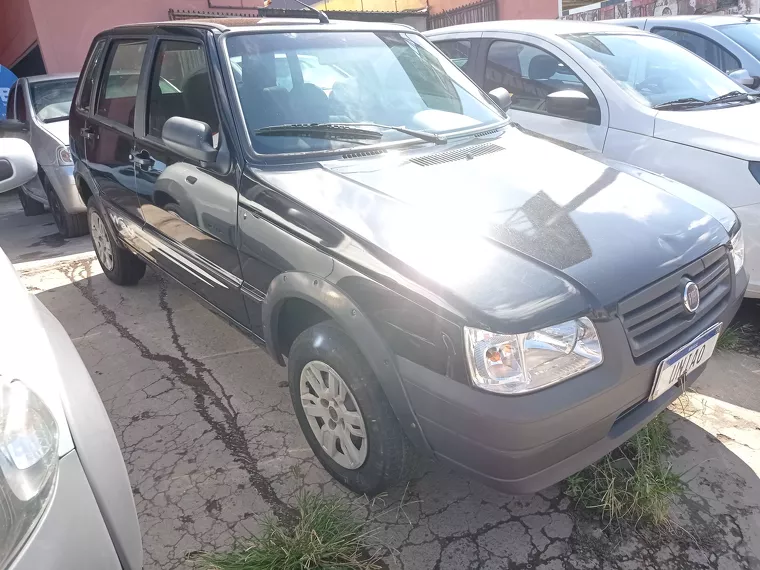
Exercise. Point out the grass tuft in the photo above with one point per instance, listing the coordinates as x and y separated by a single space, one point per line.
633 483
733 338
327 536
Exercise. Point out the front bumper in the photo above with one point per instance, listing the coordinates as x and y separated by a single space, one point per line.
522 444
71 534
62 180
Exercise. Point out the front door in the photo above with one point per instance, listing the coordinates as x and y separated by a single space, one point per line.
109 133
530 69
190 209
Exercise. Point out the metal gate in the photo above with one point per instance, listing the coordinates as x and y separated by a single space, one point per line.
484 11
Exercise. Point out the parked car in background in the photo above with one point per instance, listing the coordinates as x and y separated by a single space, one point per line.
730 43
65 498
436 279
38 112
633 96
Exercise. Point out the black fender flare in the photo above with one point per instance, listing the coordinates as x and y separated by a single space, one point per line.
334 302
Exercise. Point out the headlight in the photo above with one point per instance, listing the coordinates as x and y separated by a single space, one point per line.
519 363
28 464
737 250
64 156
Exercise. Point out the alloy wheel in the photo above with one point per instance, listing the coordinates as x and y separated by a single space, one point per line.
101 241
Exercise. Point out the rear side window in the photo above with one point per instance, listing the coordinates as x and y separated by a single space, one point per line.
180 85
88 80
458 51
704 48
117 94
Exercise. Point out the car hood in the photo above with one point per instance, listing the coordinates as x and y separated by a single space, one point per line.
512 222
59 130
728 130
25 350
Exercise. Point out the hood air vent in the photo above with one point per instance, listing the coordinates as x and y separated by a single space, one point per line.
467 153
362 153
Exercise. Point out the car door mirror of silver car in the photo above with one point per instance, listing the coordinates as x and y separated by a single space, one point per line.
569 104
189 138
13 126
742 77
17 164
501 97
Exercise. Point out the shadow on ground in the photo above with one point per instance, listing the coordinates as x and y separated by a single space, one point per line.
213 448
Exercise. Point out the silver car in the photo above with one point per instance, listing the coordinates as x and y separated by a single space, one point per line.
38 112
65 498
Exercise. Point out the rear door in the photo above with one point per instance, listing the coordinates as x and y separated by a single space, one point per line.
109 133
530 69
190 208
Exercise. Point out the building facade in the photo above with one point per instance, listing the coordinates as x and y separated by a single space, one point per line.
611 9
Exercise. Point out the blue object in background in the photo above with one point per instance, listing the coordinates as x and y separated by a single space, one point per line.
7 79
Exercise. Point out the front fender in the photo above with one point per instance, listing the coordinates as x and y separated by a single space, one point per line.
334 302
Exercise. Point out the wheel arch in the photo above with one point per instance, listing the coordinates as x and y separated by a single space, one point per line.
339 307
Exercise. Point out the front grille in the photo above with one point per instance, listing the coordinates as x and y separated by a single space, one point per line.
655 319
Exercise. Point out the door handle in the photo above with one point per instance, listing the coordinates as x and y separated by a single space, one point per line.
87 133
143 159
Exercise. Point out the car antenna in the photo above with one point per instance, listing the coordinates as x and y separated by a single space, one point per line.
321 16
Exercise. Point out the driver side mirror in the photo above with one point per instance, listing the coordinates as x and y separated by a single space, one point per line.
501 97
189 138
13 126
743 78
570 104
17 164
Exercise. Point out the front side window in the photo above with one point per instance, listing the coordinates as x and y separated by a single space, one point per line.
180 85
345 78
88 80
746 34
52 99
652 70
457 51
704 48
117 94
531 74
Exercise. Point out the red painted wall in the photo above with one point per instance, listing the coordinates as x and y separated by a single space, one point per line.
17 31
507 9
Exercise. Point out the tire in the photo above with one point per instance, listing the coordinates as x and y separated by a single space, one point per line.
31 206
389 456
119 264
69 225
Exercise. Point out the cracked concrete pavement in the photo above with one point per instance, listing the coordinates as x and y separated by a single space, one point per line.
213 448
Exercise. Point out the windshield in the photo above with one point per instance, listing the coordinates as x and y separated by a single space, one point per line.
746 35
389 78
653 70
52 99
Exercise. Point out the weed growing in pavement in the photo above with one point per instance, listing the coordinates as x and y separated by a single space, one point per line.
735 338
326 536
633 483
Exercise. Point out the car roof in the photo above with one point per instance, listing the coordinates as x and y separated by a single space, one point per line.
51 77
711 20
541 27
263 24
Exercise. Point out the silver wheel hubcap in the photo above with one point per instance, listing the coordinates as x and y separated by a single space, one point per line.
100 241
333 415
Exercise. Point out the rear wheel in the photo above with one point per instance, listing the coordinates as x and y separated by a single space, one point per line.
343 412
69 225
120 265
31 207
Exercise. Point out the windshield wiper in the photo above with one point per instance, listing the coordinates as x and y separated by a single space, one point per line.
344 130
730 97
685 102
56 119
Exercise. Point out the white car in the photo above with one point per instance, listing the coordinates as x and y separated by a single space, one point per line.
633 96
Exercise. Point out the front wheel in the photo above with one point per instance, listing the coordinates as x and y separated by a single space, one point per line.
120 265
343 412
31 207
69 225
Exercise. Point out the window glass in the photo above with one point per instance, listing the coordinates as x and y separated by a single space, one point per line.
52 99
531 74
746 34
457 51
117 94
653 70
85 93
704 48
10 110
21 113
180 86
388 78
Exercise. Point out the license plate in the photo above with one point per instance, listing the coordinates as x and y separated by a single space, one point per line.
684 360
